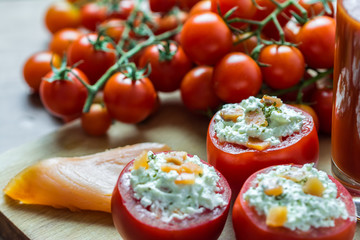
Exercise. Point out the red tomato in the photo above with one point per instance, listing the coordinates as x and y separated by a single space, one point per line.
60 15
37 66
200 7
310 111
123 10
163 6
317 42
187 4
135 222
237 163
94 61
286 66
315 9
166 75
236 77
245 46
206 38
249 225
197 91
92 14
322 100
64 98
168 22
113 28
129 101
245 9
97 121
62 40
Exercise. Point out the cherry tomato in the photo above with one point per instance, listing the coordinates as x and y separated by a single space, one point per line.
64 98
92 14
166 75
285 66
315 9
245 46
197 91
187 4
113 28
97 121
237 163
245 9
317 42
37 66
322 100
92 58
123 10
62 40
249 225
168 22
200 7
310 111
236 77
129 101
135 222
163 6
60 15
205 38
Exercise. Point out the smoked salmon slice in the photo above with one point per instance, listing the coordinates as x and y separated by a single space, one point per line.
85 182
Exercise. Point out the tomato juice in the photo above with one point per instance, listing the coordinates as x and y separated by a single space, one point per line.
346 106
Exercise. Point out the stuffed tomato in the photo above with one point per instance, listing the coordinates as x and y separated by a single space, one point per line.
245 137
293 202
170 195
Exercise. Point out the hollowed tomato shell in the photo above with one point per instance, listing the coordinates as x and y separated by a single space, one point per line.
250 226
134 222
237 163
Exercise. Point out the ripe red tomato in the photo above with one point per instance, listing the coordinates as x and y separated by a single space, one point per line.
200 7
92 14
206 38
317 42
188 4
245 9
129 101
197 92
237 163
62 14
166 75
123 10
322 100
94 61
245 46
249 225
286 66
97 121
162 6
62 39
135 222
315 9
37 66
64 98
236 77
164 23
113 28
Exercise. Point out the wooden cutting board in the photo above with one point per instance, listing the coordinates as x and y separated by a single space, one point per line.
172 125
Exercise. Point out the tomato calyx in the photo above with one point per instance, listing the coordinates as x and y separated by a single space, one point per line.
132 72
165 52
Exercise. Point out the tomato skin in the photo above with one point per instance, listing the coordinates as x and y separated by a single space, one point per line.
236 77
197 91
317 42
94 63
237 163
188 4
315 9
205 38
286 66
133 222
63 98
200 7
163 6
245 46
92 14
124 10
322 100
166 75
245 9
66 11
127 100
62 39
249 225
37 66
97 121
114 28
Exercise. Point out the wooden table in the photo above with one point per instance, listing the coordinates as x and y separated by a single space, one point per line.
28 134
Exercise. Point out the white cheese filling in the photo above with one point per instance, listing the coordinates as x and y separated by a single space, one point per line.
157 190
303 210
282 122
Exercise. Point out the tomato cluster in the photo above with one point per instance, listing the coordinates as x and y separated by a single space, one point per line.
213 52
